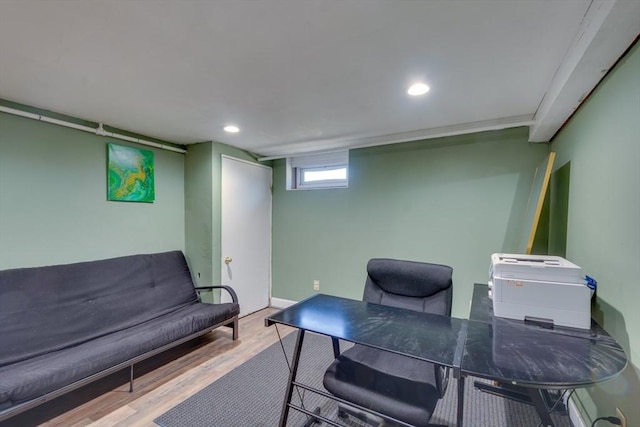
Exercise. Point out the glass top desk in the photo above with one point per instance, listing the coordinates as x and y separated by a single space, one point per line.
528 359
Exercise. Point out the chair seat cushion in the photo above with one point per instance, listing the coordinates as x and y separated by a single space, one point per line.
392 384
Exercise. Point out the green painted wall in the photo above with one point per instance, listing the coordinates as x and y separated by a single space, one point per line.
53 206
602 145
452 201
198 194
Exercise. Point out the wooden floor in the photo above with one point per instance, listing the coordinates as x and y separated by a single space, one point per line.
160 382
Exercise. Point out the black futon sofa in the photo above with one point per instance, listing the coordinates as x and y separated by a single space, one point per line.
64 326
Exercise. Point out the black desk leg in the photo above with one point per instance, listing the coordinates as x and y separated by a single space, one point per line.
460 401
284 415
538 402
336 346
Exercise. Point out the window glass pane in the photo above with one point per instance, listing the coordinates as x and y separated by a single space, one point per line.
325 174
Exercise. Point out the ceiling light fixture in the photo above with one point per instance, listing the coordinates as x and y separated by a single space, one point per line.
418 89
231 129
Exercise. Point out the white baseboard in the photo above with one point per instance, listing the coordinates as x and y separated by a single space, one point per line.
574 414
281 303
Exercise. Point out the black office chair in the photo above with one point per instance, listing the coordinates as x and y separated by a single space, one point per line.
397 386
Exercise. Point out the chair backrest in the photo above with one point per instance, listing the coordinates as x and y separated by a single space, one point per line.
412 285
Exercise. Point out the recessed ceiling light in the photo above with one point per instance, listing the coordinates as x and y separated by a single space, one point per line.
418 89
231 129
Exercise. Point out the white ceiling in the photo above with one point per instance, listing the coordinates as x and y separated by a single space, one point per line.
301 75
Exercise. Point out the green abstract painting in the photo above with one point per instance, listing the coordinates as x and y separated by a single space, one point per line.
130 174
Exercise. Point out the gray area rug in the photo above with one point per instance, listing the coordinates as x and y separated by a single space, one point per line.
252 394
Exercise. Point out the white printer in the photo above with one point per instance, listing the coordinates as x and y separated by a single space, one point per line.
539 288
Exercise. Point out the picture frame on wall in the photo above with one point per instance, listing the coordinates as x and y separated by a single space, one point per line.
130 174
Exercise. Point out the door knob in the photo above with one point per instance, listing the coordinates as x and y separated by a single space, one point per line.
227 260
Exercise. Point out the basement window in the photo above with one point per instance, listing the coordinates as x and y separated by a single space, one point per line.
330 170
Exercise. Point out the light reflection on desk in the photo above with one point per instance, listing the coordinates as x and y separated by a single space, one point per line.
313 319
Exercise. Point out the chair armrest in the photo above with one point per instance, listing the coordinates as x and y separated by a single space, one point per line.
230 290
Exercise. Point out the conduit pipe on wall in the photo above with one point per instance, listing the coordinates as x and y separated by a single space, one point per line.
97 131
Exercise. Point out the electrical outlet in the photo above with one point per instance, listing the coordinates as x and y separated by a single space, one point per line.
316 285
623 419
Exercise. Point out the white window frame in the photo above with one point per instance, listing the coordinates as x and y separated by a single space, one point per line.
297 166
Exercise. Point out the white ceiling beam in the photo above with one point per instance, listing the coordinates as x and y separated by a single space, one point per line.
607 30
324 146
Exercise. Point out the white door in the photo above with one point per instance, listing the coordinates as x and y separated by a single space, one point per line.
246 232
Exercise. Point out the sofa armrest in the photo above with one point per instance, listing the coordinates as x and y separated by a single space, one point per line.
230 290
